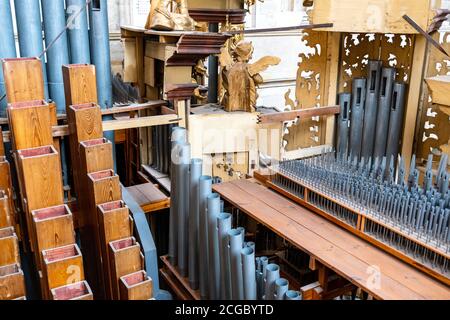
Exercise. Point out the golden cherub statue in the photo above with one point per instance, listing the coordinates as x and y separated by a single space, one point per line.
240 79
169 15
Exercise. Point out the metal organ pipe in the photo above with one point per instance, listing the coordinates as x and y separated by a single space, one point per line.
396 120
293 295
224 225
205 189
281 287
343 119
236 244
78 32
357 116
249 273
272 275
195 173
213 210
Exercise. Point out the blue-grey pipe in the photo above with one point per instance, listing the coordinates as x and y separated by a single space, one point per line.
357 116
281 287
396 120
7 47
251 244
237 285
78 32
182 173
242 231
54 17
293 295
195 173
371 108
223 226
178 137
272 274
213 211
222 206
205 189
249 273
260 276
29 29
343 124
101 56
384 105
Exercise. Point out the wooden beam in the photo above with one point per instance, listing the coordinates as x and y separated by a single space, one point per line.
440 89
301 113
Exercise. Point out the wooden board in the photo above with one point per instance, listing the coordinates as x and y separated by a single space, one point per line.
12 282
149 197
136 286
9 247
371 16
23 79
439 88
125 258
350 257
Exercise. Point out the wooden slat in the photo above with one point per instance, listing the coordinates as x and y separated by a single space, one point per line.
324 250
302 113
149 197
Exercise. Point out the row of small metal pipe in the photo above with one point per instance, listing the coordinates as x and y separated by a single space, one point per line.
204 246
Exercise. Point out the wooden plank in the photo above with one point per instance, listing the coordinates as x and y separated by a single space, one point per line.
73 292
53 227
302 113
136 286
342 262
30 124
23 79
6 217
12 282
61 266
9 247
125 258
113 125
439 87
371 16
114 224
149 197
80 84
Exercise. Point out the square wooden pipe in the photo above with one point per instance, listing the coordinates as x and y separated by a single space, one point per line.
12 282
125 258
76 291
24 79
9 247
136 286
53 228
96 155
30 123
62 266
6 218
80 84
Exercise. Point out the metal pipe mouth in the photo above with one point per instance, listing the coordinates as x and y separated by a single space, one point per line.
195 161
234 233
213 196
281 282
247 251
223 216
292 294
264 259
272 267
250 244
205 178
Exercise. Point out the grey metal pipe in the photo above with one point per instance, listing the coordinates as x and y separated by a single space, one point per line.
384 105
272 274
224 225
396 120
78 32
213 68
251 244
182 181
357 116
205 189
7 47
237 285
213 211
293 295
222 206
281 287
343 126
260 277
195 173
242 230
178 137
29 29
249 273
371 108
54 17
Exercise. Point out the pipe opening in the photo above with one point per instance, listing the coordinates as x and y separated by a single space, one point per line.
72 291
394 101
292 294
213 196
205 178
358 95
9 270
281 282
196 161
83 106
372 80
28 104
102 175
60 253
110 206
96 142
7 232
50 213
37 152
223 216
272 267
384 86
135 278
123 244
345 117
234 232
247 251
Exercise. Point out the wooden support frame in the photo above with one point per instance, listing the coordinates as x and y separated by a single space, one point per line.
9 247
12 282
73 292
125 258
136 286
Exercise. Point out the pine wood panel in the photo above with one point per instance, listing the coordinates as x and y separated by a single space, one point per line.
136 286
30 124
53 227
125 258
80 84
12 282
23 79
9 247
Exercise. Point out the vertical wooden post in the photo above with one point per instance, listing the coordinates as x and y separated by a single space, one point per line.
12 282
125 258
76 291
136 286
